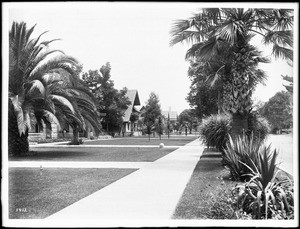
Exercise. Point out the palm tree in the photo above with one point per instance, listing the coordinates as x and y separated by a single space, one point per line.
214 29
36 80
85 116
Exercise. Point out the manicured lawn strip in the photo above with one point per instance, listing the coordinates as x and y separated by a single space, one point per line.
172 141
135 154
42 193
206 194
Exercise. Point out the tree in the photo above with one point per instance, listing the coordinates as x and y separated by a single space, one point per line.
159 126
37 80
204 98
110 101
151 113
85 116
187 119
289 79
213 28
278 111
168 127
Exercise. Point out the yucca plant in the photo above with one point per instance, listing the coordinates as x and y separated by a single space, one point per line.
242 154
265 196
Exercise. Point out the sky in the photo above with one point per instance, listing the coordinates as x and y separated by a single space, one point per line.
134 37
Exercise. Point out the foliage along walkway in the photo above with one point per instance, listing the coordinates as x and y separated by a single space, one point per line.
150 193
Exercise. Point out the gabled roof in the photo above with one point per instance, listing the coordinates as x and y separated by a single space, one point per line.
134 99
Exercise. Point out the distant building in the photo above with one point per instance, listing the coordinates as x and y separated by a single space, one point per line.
130 126
171 114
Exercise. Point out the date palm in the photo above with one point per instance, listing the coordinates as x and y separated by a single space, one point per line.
213 28
36 84
85 116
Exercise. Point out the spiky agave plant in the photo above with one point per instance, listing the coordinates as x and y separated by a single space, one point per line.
264 195
243 151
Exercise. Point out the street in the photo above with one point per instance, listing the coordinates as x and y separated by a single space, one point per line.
284 144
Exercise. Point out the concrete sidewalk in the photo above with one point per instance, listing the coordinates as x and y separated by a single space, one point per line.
151 193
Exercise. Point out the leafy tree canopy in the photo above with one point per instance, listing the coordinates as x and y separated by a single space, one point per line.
188 117
289 79
278 110
110 101
152 109
203 97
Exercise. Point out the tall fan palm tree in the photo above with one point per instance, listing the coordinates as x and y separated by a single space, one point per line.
214 28
36 84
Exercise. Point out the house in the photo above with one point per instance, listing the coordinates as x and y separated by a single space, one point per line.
130 123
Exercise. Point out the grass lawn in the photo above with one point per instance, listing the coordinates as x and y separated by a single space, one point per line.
205 196
132 154
143 140
35 194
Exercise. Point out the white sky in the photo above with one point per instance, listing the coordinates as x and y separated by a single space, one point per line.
134 38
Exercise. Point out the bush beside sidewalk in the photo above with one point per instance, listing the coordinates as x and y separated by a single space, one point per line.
208 193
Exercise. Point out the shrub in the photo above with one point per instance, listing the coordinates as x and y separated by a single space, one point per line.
242 155
214 130
80 141
258 125
50 140
265 196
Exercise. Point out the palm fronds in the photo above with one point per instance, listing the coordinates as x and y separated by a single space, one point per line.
42 84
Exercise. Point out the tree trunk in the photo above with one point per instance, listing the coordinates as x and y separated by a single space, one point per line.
17 145
219 102
75 135
239 125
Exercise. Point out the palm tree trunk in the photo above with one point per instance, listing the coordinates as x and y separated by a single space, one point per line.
17 145
239 125
75 135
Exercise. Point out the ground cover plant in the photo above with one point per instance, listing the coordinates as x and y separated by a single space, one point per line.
131 154
35 193
206 194
50 140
